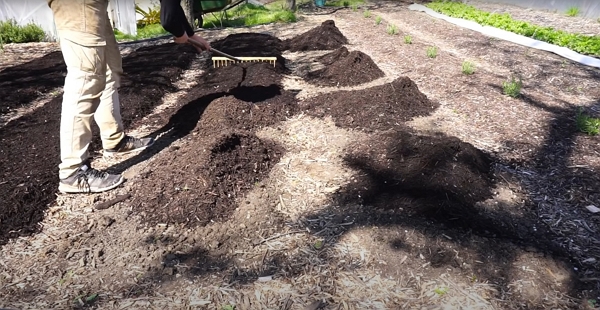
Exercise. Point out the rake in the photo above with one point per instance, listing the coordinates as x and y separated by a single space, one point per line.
226 59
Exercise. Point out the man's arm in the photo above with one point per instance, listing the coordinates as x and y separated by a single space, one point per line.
173 19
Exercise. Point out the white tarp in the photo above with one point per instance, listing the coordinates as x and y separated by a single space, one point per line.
512 37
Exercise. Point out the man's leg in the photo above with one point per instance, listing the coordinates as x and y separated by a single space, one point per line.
82 90
85 81
108 115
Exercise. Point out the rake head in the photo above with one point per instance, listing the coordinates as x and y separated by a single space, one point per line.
224 61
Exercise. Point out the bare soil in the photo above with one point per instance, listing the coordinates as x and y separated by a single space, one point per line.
410 186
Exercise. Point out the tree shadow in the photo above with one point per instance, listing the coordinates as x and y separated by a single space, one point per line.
21 85
438 185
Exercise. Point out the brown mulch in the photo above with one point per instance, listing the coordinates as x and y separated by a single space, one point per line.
324 37
345 69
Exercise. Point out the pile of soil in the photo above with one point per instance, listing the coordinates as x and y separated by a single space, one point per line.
206 180
252 45
404 170
222 158
21 85
345 69
29 146
377 108
325 37
334 56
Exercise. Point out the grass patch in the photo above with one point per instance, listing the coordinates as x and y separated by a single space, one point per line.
392 29
589 45
573 11
144 32
513 87
345 3
468 67
407 39
377 20
432 52
11 32
249 15
587 124
367 14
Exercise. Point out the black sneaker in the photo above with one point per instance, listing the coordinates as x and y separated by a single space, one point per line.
88 180
130 144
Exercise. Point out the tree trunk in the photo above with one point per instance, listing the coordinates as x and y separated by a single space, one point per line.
291 5
188 8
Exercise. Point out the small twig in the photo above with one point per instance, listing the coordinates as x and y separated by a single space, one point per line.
279 235
589 279
110 203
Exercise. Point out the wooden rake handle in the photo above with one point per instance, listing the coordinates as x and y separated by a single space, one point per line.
215 51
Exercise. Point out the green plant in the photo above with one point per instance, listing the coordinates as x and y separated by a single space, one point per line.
150 31
392 29
367 14
513 87
587 124
228 307
584 44
346 4
150 17
573 11
468 67
378 20
354 7
407 39
432 52
441 291
11 32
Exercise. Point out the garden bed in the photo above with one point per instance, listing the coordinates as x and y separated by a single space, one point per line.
411 185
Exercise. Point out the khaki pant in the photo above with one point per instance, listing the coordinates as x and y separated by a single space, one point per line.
94 67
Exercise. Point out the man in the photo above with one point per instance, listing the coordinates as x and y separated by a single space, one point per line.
94 68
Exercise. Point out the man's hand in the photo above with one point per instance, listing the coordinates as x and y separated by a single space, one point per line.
203 45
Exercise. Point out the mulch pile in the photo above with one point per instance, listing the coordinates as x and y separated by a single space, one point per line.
376 108
325 37
401 169
345 69
221 158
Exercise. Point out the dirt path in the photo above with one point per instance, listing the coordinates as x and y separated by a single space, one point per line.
268 191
